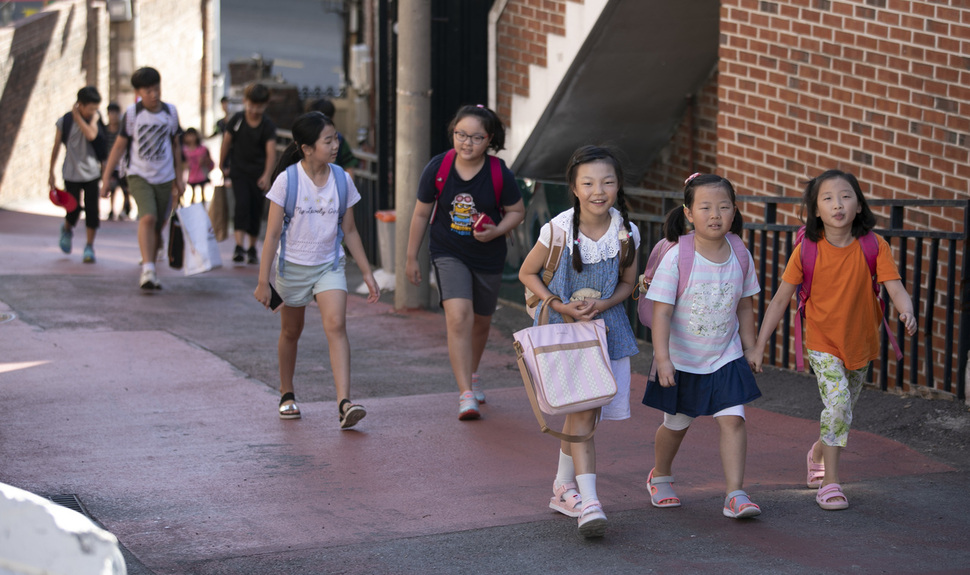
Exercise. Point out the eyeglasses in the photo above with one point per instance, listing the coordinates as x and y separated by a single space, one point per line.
462 137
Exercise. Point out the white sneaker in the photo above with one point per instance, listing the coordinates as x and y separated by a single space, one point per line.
148 280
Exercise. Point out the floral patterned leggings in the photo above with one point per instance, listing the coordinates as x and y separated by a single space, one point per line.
840 389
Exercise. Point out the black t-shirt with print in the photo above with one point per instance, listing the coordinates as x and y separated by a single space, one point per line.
460 200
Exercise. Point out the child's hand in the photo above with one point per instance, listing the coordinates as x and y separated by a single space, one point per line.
413 271
579 310
755 356
665 373
909 320
487 234
263 182
262 294
373 290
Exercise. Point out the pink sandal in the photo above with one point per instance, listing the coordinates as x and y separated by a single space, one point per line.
661 490
826 494
816 471
568 505
592 520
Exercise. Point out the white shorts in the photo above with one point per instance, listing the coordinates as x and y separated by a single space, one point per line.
680 421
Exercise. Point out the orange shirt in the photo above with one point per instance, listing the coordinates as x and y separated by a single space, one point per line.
842 314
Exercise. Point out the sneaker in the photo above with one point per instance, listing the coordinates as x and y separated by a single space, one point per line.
239 256
66 236
88 254
148 280
592 520
566 500
251 255
468 406
479 394
350 413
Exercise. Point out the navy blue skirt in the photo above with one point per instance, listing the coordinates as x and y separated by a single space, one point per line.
704 394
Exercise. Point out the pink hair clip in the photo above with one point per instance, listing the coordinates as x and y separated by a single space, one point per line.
691 177
479 106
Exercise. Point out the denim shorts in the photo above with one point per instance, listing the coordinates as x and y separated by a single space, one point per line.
303 283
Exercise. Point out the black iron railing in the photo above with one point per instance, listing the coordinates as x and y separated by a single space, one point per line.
933 264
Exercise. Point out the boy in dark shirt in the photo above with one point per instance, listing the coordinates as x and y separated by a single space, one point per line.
250 144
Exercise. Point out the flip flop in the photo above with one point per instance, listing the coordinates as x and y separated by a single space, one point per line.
826 494
816 471
661 490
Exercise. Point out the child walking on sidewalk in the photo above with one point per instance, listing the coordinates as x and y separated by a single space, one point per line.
600 255
199 162
842 320
311 263
697 338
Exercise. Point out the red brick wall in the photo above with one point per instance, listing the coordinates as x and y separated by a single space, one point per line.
693 147
521 40
880 88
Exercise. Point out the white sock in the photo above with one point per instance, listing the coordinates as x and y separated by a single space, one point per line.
147 267
587 486
566 472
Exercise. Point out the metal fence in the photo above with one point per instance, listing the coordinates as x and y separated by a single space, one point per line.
933 265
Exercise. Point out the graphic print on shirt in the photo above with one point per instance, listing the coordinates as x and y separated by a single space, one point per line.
320 206
153 139
462 214
711 309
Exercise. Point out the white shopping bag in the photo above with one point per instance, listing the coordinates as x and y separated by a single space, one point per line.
201 247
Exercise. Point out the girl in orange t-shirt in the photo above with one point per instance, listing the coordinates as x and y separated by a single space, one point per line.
842 320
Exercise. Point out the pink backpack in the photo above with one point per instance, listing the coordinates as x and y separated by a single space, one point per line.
870 249
684 264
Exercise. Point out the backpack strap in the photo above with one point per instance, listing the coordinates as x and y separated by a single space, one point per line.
809 253
341 179
497 181
67 122
557 243
685 261
870 249
741 252
441 177
292 185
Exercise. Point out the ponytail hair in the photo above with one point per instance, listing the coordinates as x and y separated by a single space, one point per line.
676 224
584 155
490 121
306 131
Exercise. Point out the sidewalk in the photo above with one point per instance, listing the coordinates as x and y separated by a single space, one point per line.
158 411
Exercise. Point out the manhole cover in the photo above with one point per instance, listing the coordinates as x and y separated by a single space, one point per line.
6 316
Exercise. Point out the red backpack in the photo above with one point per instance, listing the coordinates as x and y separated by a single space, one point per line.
684 264
870 249
445 169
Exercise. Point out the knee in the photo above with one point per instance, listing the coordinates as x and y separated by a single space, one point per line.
335 326
731 423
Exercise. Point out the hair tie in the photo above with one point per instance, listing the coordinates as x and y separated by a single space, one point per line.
479 106
691 177
576 241
685 207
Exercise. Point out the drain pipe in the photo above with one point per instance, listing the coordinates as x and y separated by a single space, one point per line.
690 134
494 15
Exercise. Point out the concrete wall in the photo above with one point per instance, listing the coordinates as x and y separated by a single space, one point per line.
44 60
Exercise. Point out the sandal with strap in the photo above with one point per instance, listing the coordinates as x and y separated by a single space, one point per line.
816 471
290 410
350 413
826 494
737 505
569 504
592 520
662 490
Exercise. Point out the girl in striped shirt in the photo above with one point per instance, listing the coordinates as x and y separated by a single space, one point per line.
699 337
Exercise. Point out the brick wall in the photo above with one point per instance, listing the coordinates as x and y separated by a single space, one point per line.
522 34
880 88
42 66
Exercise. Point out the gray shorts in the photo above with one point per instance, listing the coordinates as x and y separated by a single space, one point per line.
456 280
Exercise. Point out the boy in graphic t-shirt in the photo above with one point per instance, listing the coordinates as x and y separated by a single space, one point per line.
150 134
